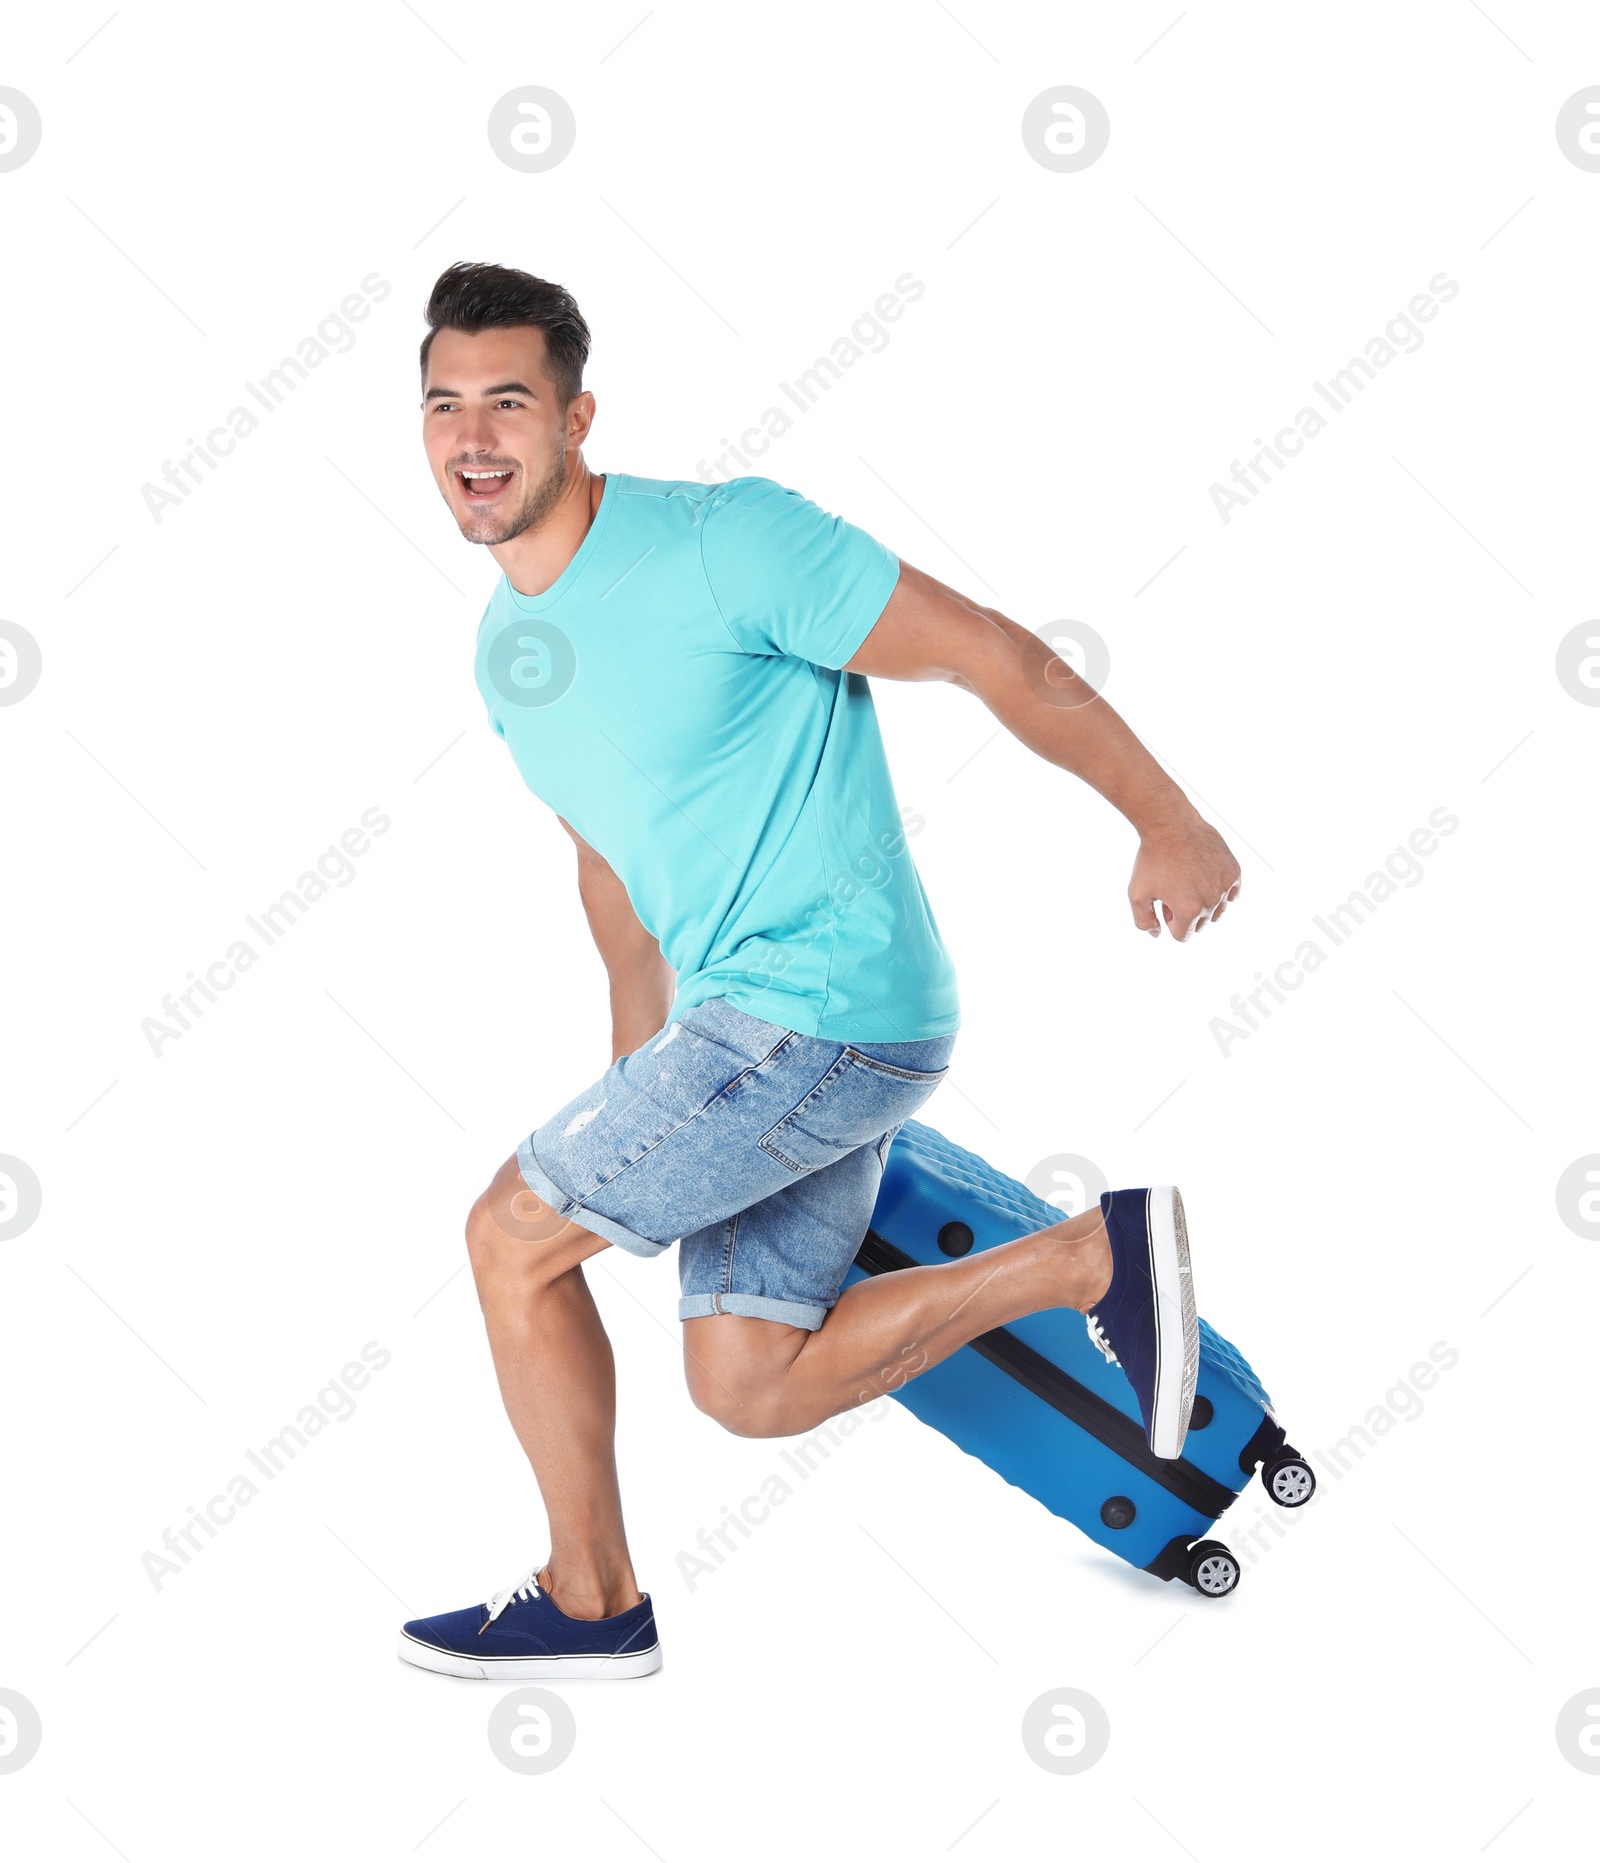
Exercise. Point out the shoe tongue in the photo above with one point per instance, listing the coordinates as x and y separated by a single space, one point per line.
525 1592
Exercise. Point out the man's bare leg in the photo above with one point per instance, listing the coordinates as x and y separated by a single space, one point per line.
558 1380
763 1378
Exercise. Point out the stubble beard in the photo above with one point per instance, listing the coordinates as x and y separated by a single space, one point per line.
537 503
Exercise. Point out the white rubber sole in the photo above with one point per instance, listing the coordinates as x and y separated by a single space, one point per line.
1177 1326
531 1668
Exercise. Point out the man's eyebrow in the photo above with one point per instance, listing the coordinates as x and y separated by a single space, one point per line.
500 388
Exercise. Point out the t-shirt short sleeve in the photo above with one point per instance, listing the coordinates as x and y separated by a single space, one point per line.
790 578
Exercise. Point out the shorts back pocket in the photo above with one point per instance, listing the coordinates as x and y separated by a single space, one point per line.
854 1104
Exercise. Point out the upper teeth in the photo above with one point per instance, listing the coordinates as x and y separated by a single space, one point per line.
504 473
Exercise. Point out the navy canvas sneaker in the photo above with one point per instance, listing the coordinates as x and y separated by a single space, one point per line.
521 1636
1146 1321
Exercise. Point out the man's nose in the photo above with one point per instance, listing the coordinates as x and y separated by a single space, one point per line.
476 435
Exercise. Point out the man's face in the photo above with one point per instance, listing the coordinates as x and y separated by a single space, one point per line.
490 408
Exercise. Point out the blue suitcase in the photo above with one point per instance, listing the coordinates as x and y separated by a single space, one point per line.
1042 1406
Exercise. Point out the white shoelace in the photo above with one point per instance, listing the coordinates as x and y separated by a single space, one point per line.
526 1588
1100 1339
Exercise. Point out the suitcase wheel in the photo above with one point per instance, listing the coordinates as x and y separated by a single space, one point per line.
1213 1570
1288 1479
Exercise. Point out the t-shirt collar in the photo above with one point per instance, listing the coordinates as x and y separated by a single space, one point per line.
562 586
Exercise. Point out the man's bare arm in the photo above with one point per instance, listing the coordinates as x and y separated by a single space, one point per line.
642 981
928 631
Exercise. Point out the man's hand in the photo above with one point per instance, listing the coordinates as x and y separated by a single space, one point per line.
1187 866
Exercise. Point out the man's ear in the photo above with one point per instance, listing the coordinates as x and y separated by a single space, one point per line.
580 418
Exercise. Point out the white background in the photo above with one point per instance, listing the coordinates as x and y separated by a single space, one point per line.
226 690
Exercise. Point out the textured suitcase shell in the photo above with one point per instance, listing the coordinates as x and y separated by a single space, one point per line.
989 1410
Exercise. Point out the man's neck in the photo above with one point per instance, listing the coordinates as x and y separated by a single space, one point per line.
533 560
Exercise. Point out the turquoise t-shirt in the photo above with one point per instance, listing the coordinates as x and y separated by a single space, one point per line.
676 696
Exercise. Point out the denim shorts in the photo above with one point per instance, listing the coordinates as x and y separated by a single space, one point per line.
757 1150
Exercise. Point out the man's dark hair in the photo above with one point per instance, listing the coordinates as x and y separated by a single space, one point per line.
472 297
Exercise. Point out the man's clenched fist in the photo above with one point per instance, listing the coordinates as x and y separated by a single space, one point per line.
1188 867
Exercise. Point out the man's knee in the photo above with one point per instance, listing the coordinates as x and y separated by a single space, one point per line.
750 1413
734 1368
719 1401
513 1234
486 1238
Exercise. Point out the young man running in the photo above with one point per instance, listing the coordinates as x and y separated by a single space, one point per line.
678 670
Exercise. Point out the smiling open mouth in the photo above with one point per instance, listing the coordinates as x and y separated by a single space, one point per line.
481 486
